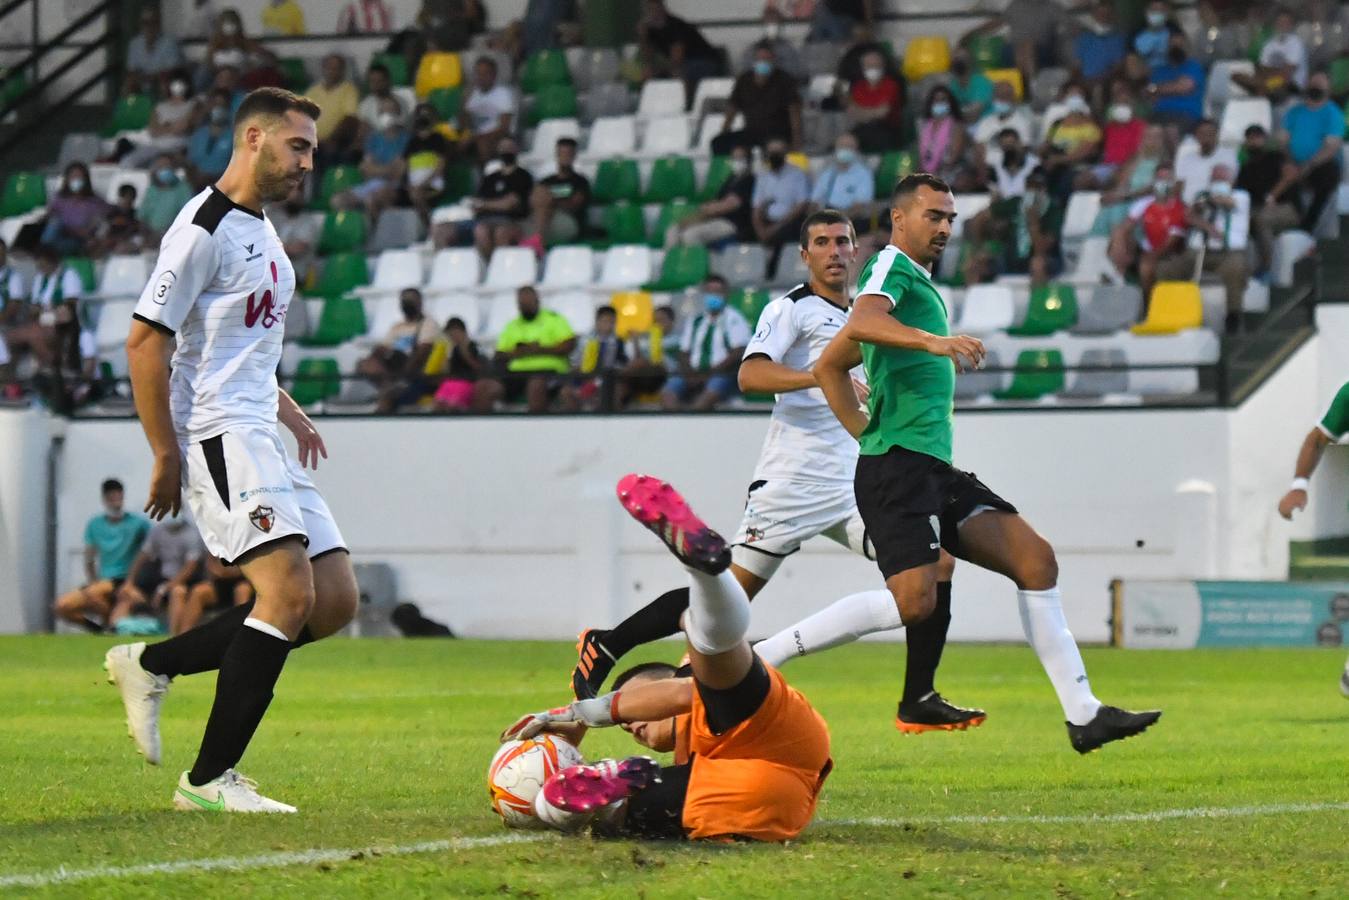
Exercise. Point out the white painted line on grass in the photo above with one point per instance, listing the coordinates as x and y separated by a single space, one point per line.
1158 815
261 861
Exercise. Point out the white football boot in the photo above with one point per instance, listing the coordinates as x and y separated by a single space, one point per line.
142 693
231 792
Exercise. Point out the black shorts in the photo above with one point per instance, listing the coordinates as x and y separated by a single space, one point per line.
900 492
516 384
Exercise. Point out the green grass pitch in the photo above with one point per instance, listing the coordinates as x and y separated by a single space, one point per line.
1241 790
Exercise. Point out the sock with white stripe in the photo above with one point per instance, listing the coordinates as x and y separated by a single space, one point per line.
718 616
843 622
1047 632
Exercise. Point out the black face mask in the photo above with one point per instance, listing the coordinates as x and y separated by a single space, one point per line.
777 159
423 123
529 316
1012 158
1176 55
412 311
1316 94
507 159
960 68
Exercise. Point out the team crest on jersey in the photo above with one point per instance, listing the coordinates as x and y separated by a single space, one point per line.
262 519
264 310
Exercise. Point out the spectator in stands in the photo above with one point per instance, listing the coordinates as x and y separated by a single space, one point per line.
846 183
210 146
851 69
770 101
1099 50
427 155
710 348
542 26
1071 145
785 55
655 354
1124 128
1020 238
12 290
463 366
834 20
282 18
1222 216
1012 167
489 111
781 199
168 564
450 24
1031 27
121 231
1131 182
942 139
74 214
365 17
533 356
1194 169
1315 133
111 540
875 106
1176 87
601 354
383 165
40 323
1268 175
227 79
671 47
298 232
559 203
502 203
338 126
1004 113
1153 232
729 215
231 47
1282 67
171 122
972 89
397 364
164 197
151 55
224 586
1154 41
378 86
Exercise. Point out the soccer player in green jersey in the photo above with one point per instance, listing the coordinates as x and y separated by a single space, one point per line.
1332 429
913 501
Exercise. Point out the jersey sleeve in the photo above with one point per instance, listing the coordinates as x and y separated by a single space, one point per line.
883 278
1335 423
188 261
777 331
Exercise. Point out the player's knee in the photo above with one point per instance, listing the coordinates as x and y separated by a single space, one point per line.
1039 569
915 603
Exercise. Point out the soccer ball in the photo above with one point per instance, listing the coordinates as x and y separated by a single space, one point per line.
518 771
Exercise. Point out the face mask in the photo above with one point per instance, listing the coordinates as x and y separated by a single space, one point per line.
763 68
165 177
1076 103
1316 94
941 109
1001 108
178 88
386 121
1176 56
1011 158
846 156
1122 112
739 166
411 311
77 184
1220 189
714 303
507 159
960 68
772 30
423 123
220 115
777 159
874 76
529 316
1157 19
1162 189
229 29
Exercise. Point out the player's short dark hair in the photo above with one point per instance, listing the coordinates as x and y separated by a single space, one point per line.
655 668
825 217
567 142
110 485
274 102
907 186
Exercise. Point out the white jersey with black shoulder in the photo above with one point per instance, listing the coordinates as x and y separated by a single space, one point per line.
221 286
805 441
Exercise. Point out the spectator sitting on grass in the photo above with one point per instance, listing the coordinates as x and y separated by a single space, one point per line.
111 541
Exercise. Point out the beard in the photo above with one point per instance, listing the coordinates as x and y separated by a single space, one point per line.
274 181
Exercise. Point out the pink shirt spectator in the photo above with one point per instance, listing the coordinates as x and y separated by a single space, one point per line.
77 212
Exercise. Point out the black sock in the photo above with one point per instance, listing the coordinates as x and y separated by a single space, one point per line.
658 619
926 640
202 648
243 691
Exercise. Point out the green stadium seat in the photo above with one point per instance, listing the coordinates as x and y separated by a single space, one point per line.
617 179
623 224
341 273
83 266
1038 374
750 303
894 166
130 113
24 191
12 84
295 74
397 65
316 379
671 179
446 101
1053 307
717 173
987 51
334 181
545 68
1339 76
670 214
554 101
343 231
342 319
683 267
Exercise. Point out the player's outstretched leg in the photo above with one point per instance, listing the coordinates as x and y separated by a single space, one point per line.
658 506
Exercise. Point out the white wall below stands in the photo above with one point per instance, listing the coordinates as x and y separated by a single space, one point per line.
24 440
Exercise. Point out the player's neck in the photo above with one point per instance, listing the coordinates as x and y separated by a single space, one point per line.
837 297
240 187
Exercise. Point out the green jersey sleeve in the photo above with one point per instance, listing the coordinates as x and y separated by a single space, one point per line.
884 276
1335 423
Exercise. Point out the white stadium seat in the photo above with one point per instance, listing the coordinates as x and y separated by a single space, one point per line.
455 268
460 305
549 132
502 309
1219 87
381 314
124 276
577 307
987 308
114 324
511 267
625 266
394 271
967 207
1080 216
668 134
612 136
570 266
718 89
1239 114
661 97
710 127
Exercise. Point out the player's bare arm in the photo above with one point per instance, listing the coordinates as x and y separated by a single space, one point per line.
307 436
147 351
1313 446
761 375
871 323
649 701
832 373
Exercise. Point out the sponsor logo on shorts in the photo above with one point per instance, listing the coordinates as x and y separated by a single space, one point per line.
936 532
262 519
245 495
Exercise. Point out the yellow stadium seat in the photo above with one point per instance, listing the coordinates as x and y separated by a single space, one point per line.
930 55
1175 306
800 160
438 70
1011 76
634 311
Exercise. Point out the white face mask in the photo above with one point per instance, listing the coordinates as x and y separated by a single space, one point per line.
229 29
1122 112
1076 103
1157 19
772 30
873 75
739 166
178 88
77 184
941 108
1220 188
386 120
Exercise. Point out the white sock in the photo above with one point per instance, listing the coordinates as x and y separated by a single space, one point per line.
718 615
843 622
1047 632
266 628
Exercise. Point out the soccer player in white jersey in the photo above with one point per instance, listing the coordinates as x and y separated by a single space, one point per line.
221 289
802 488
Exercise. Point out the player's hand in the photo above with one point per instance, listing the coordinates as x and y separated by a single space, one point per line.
1293 501
965 351
308 439
166 489
532 724
597 712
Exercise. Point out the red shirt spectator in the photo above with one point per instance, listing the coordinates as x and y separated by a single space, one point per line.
884 93
1122 140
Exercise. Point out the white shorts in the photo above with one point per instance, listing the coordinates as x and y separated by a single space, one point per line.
780 516
244 491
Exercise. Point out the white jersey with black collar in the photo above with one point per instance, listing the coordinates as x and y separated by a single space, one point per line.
805 441
221 286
